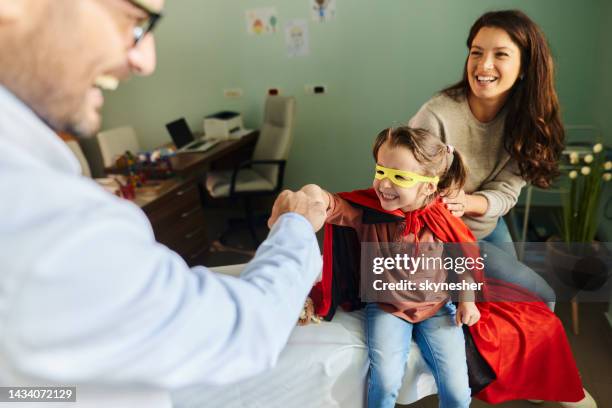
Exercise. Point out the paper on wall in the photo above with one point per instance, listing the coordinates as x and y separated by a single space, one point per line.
323 10
262 21
296 38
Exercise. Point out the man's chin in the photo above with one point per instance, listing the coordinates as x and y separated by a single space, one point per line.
85 128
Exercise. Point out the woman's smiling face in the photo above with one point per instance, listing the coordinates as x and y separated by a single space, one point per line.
494 64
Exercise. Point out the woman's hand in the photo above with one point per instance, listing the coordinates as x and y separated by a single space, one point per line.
467 313
456 202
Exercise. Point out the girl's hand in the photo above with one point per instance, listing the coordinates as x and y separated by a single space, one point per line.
308 314
467 313
456 201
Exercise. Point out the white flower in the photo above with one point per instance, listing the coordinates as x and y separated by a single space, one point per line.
597 148
588 158
607 176
573 174
586 170
608 165
574 158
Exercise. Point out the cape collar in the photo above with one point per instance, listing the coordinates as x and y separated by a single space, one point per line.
413 219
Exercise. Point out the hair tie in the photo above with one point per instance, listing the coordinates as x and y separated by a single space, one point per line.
450 150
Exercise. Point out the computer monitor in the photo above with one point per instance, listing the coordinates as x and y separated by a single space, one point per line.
180 133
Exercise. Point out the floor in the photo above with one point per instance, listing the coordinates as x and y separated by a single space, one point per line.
593 352
592 347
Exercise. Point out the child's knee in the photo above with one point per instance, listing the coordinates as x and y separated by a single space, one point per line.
455 391
386 379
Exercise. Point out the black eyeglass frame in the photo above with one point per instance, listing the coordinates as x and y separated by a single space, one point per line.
153 20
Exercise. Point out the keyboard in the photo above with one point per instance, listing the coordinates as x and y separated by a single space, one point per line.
201 146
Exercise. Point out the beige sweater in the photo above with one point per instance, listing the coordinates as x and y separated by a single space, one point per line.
491 172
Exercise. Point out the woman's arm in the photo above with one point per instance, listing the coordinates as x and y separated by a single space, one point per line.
494 198
501 193
460 203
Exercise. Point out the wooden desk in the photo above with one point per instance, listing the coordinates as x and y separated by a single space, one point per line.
231 151
175 210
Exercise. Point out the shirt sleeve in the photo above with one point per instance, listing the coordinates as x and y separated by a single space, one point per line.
341 212
106 304
503 191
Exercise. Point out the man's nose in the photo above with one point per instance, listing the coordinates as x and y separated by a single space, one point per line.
142 57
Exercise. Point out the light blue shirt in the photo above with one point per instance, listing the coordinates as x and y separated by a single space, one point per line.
88 296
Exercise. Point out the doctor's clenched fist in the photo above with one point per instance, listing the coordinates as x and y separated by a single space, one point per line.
299 202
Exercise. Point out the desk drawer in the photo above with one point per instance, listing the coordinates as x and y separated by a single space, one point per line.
179 224
173 207
189 243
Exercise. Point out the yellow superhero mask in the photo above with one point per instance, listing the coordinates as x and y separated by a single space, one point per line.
405 179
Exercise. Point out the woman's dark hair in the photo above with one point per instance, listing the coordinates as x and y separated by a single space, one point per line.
533 132
436 158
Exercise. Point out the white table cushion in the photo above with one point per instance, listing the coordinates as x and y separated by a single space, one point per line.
323 365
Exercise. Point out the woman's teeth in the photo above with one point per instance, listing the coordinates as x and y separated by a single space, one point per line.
486 79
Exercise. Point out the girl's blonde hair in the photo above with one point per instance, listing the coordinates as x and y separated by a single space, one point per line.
435 157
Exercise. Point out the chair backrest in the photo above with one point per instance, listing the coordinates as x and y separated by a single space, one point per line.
115 142
276 134
78 152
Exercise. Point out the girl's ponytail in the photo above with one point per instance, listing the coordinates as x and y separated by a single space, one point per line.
455 175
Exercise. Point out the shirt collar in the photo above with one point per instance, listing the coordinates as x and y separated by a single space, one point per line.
21 128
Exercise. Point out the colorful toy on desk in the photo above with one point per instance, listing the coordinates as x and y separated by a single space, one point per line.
145 166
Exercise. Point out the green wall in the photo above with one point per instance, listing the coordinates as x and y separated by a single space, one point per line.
380 60
604 111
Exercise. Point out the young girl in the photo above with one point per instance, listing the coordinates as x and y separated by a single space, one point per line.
412 168
518 350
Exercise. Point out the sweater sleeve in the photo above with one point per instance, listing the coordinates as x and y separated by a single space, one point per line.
503 191
426 119
341 212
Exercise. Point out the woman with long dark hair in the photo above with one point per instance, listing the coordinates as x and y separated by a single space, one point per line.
504 118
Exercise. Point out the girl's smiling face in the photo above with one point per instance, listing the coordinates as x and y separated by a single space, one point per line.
392 196
494 64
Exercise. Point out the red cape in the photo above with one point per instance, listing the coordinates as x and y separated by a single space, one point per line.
524 343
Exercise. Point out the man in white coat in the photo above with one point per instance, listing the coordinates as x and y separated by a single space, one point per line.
87 297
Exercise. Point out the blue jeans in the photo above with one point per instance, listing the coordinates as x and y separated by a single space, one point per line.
501 263
443 347
503 266
500 237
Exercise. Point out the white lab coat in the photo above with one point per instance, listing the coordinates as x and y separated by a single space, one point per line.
88 298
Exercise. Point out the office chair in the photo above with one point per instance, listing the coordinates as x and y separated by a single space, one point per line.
78 153
74 145
263 174
115 142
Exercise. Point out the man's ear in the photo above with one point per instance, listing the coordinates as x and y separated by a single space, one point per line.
12 10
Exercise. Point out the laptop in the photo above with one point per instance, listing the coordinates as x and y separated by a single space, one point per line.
184 140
